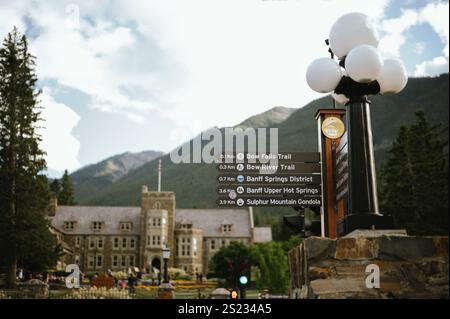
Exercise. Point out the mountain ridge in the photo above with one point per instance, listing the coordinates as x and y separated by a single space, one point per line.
195 184
90 179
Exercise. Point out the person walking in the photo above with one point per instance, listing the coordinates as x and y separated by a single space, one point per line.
131 283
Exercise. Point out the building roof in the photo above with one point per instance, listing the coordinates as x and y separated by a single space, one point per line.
262 234
85 215
210 221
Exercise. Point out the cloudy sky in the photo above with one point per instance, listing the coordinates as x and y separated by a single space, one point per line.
137 75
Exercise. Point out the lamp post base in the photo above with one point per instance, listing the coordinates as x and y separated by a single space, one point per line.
364 221
166 291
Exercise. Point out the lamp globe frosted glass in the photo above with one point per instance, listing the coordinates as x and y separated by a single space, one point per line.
323 75
351 30
393 77
363 63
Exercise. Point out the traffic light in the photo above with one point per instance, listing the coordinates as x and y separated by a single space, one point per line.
243 280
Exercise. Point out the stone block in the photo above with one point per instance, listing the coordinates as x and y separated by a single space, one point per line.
356 248
406 248
319 272
317 248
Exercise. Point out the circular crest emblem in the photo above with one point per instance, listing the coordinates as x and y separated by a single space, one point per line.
333 127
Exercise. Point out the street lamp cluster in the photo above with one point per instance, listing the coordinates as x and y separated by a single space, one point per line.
360 71
165 289
166 256
354 40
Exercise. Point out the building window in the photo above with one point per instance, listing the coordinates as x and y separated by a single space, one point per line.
213 244
76 259
124 261
131 260
156 222
115 261
96 243
77 241
148 241
91 243
227 228
156 240
91 261
124 243
99 261
132 243
98 226
126 226
157 205
70 225
116 243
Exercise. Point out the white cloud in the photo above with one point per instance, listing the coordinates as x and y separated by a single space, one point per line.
199 63
437 15
10 15
85 58
58 141
240 57
208 62
434 67
419 47
393 31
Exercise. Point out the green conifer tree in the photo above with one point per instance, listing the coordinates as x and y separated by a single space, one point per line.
65 196
414 181
23 189
55 187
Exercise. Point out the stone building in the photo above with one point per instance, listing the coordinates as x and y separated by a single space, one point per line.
117 238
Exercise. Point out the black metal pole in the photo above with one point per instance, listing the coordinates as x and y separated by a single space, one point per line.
166 277
363 211
362 176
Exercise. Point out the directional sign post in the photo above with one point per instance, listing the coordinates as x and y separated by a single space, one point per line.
330 130
250 180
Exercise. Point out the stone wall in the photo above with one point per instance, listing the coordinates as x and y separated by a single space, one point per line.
410 267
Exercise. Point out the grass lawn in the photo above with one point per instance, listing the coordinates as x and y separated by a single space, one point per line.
145 294
179 293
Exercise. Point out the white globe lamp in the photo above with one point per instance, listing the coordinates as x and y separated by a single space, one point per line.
363 63
393 77
351 30
323 75
362 72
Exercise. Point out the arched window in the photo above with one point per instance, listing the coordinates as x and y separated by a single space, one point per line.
157 205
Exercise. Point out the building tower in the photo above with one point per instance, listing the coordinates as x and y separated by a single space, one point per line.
157 227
